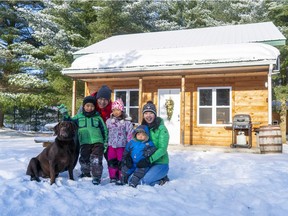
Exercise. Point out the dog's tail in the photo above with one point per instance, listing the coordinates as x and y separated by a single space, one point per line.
32 170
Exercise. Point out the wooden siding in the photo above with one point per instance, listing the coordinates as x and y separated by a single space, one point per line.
249 96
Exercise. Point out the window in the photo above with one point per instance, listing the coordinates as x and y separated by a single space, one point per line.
214 106
130 98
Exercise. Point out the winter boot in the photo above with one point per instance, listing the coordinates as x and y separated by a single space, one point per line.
119 182
113 180
164 180
96 181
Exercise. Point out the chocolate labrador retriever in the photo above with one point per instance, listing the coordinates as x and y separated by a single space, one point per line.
57 157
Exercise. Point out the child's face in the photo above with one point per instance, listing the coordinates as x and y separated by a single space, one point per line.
116 112
89 107
141 136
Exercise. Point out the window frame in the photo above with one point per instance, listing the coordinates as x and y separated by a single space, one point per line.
127 106
214 106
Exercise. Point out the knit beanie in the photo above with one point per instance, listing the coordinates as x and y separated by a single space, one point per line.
142 129
104 92
89 99
149 107
118 104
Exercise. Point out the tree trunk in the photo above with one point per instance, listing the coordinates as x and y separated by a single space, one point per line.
1 119
283 115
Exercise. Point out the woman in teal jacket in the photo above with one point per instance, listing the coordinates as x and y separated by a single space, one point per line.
158 162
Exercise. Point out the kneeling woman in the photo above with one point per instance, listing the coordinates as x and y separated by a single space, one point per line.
159 160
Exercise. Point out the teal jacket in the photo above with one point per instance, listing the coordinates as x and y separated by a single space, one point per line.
160 138
91 130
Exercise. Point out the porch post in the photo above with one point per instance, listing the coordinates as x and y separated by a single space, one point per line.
74 97
182 111
140 100
86 89
270 95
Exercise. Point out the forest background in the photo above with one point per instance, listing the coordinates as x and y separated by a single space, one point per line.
38 38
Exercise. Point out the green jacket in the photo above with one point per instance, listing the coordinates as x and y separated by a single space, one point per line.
160 138
91 130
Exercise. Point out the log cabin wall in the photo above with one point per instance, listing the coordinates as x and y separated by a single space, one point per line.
249 96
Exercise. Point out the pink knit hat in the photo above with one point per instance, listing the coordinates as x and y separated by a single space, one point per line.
118 104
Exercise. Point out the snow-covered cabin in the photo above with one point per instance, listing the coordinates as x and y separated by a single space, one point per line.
211 74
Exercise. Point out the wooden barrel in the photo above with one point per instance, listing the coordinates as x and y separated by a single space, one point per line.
270 139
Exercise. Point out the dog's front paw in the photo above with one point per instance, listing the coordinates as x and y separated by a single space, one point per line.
34 178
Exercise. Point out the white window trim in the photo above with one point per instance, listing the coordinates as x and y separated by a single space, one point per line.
214 106
127 107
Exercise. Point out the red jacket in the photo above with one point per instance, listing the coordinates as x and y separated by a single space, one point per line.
105 112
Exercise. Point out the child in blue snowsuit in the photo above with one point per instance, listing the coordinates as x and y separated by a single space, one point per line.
136 149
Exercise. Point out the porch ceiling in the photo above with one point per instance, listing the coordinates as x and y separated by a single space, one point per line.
174 74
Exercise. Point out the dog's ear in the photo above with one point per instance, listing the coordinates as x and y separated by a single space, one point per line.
56 128
74 126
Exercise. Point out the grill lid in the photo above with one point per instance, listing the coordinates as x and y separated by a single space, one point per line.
241 121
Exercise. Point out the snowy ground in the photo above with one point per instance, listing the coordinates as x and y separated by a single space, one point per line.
202 183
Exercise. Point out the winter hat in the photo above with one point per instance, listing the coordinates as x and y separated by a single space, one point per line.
104 92
118 104
149 107
142 129
89 99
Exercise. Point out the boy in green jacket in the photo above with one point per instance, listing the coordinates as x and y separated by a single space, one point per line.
92 133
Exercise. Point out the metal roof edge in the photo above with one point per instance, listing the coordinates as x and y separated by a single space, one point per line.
67 71
279 42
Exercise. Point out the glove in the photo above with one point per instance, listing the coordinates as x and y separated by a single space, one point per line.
63 109
127 161
149 150
143 163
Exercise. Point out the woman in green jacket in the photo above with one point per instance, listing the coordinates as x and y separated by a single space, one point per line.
158 162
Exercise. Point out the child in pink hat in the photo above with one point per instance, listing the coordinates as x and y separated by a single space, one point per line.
120 129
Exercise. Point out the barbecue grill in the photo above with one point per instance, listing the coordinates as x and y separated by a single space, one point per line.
242 131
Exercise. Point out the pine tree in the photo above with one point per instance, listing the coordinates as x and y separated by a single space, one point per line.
34 49
16 39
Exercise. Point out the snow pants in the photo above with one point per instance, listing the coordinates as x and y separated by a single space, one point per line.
114 160
91 159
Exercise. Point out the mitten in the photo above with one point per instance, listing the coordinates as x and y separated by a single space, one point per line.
143 163
63 109
127 161
149 150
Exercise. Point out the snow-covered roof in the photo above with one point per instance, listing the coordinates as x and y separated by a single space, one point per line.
226 55
265 32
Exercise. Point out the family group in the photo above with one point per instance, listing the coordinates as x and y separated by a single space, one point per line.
134 155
